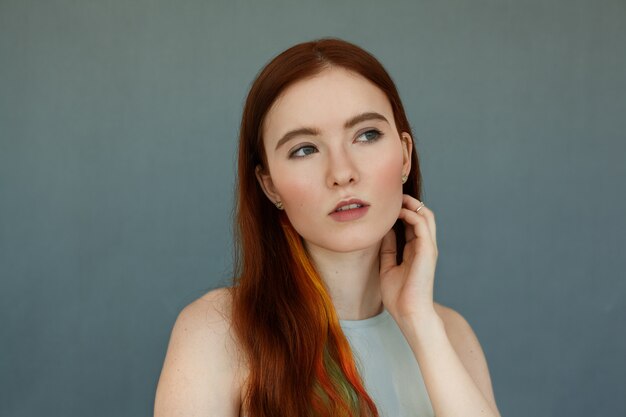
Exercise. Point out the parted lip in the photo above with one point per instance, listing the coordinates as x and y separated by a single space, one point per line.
348 202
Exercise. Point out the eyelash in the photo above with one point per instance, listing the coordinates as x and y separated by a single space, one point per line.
378 133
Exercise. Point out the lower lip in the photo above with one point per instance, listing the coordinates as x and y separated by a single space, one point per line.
347 215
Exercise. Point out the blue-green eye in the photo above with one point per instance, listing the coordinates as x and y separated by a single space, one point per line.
370 135
303 151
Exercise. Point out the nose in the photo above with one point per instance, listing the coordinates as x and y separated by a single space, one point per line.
341 168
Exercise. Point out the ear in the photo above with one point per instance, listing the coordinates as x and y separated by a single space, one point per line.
407 149
267 185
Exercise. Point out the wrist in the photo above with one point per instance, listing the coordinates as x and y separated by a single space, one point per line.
421 323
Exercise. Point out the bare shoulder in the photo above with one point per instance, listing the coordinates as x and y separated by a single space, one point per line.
467 347
450 316
206 318
201 372
459 331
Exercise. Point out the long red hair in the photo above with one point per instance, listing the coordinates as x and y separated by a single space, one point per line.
300 363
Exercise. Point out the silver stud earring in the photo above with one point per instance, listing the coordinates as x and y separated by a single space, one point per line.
404 178
279 205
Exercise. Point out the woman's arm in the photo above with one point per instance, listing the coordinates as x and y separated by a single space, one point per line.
452 363
447 351
452 389
468 349
199 376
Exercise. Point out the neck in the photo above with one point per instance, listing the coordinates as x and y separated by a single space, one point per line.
352 279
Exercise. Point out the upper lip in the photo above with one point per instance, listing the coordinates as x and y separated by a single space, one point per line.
348 202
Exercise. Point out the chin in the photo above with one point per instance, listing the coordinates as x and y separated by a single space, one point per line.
348 242
353 248
351 238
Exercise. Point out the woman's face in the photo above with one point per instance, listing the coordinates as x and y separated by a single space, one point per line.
330 139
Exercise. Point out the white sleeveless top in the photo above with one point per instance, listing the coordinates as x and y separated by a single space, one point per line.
388 366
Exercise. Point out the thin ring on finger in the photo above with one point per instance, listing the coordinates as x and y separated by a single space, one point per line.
419 208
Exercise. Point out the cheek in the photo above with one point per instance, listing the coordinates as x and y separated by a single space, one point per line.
386 172
296 191
301 199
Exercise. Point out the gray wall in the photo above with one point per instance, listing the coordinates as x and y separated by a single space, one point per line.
118 125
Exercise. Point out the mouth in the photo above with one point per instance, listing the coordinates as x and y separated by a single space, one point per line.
350 210
349 207
351 204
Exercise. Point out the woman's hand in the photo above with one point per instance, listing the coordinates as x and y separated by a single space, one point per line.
407 289
407 293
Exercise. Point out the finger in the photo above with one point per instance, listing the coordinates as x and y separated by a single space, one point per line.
413 204
388 252
430 221
419 225
410 202
409 230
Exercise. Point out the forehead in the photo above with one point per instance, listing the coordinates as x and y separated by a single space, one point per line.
324 101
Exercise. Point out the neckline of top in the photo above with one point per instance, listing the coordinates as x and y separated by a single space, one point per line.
368 322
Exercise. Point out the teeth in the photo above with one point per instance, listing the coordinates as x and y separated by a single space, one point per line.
349 207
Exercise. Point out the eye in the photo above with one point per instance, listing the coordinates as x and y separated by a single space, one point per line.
302 151
370 135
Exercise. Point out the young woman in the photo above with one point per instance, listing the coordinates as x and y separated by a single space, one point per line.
332 311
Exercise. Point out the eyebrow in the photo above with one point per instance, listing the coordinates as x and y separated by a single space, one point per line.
309 131
363 117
